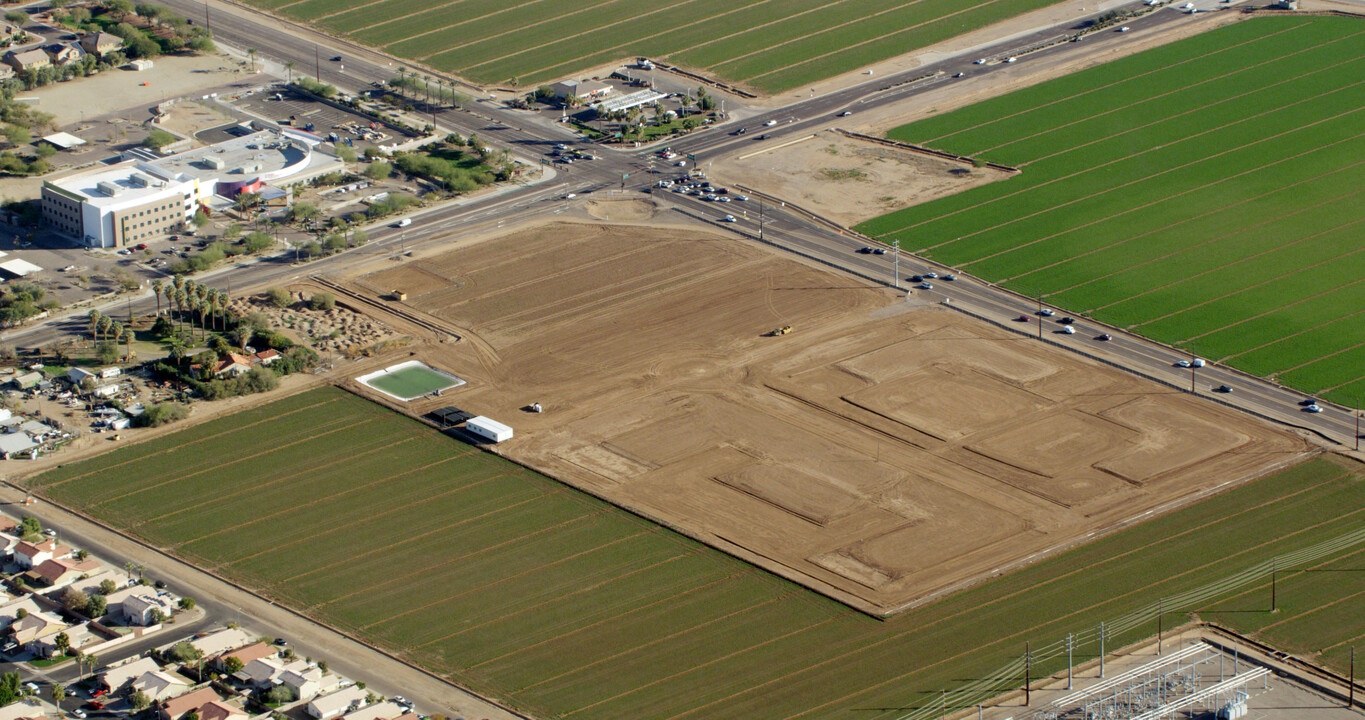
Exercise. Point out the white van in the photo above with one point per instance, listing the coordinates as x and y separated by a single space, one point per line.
405 222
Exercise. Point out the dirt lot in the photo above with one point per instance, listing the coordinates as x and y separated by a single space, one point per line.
849 180
882 452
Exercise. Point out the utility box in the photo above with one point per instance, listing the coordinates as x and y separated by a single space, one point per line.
488 429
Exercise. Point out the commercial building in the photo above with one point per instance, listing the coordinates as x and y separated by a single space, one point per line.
135 201
583 89
488 429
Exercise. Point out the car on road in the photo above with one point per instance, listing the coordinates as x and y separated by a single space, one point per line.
1197 362
1223 389
1105 337
1313 408
865 250
1022 318
926 285
961 74
722 198
1182 363
879 251
741 131
1068 330
982 61
1010 59
78 713
336 58
1067 320
570 196
846 113
931 274
949 277
1307 402
1124 29
159 584
770 123
728 218
1047 312
281 641
764 136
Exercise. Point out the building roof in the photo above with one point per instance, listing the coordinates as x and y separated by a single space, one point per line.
386 710
16 442
19 268
335 702
117 677
251 652
63 140
54 571
158 682
29 58
220 641
76 375
177 706
102 39
119 596
218 710
29 549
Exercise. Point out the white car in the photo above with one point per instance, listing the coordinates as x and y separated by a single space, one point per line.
728 218
961 74
982 61
931 274
926 285
1314 408
1046 312
681 163
1009 59
1182 364
770 123
1197 362
846 113
1125 28
1068 330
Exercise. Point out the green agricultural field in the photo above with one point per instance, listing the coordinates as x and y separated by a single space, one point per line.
1208 194
767 44
521 587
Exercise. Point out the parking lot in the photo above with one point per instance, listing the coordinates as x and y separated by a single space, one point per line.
293 109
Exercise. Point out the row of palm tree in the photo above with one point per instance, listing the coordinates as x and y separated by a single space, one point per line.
105 328
195 299
426 80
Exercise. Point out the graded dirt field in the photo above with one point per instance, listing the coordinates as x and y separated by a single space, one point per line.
881 453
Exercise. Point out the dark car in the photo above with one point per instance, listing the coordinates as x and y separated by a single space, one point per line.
1066 321
336 58
916 278
160 584
1223 389
1105 337
865 250
741 131
880 251
764 136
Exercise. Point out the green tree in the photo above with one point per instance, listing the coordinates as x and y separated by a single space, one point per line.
139 701
158 138
303 212
97 608
161 413
187 603
18 17
108 587
30 528
232 665
378 170
57 693
322 301
62 642
17 135
186 654
75 600
257 241
10 688
200 219
279 297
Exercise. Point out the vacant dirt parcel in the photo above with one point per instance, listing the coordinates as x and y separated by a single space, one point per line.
880 453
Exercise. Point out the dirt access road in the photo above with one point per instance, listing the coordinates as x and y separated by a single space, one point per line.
883 453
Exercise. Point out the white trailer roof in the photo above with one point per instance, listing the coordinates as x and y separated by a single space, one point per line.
488 424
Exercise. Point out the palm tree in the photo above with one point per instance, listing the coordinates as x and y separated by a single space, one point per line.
402 75
180 297
115 331
127 338
156 290
223 303
94 316
192 305
105 324
251 54
289 67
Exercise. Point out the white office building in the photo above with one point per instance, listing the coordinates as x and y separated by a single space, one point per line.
135 201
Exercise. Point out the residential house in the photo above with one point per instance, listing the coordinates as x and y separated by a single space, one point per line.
9 30
260 672
75 375
58 572
217 710
91 585
193 702
9 534
63 53
136 604
29 555
11 611
23 709
115 678
220 641
251 652
27 60
101 44
37 632
308 682
335 704
6 72
235 364
160 685
386 710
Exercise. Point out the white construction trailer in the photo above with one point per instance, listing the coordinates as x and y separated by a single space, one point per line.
490 430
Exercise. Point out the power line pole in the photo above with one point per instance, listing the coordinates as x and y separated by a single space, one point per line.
1101 648
897 279
317 62
1027 660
